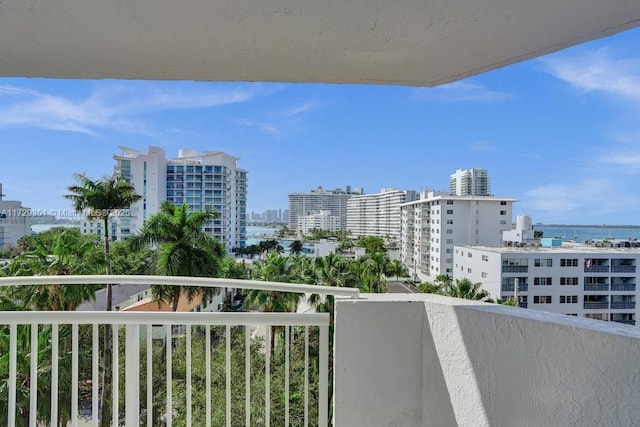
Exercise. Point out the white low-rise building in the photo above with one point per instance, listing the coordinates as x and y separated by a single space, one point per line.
574 279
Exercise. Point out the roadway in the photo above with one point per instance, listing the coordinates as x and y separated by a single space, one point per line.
399 287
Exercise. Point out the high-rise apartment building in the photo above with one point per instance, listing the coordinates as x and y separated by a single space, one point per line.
470 182
437 221
208 180
334 201
378 214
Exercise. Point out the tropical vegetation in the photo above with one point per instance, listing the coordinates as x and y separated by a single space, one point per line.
184 249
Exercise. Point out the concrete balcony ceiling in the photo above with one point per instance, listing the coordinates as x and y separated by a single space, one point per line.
404 42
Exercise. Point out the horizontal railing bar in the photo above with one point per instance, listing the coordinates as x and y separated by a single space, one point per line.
179 281
165 318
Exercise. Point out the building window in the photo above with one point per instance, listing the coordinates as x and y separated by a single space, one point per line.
469 270
470 255
450 241
503 203
484 275
503 212
569 281
543 262
568 299
449 202
542 281
542 299
485 257
449 211
568 262
449 231
449 221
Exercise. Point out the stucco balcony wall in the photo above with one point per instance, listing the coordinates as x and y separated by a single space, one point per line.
409 360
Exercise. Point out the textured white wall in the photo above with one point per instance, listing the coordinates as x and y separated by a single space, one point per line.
388 42
408 360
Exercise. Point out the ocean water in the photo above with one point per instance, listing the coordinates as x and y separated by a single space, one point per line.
580 233
256 234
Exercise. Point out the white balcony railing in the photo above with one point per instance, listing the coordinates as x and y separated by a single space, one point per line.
75 336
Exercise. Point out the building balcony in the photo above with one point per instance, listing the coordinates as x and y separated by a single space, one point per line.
515 268
596 287
522 287
623 287
597 269
626 322
596 305
398 359
623 305
623 269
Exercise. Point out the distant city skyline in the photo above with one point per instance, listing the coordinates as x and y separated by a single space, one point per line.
558 133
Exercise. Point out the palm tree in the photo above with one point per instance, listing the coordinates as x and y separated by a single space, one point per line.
440 284
275 268
296 247
58 253
376 265
270 245
464 288
100 200
230 269
183 250
396 268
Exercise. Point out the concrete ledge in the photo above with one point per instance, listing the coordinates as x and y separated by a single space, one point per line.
407 360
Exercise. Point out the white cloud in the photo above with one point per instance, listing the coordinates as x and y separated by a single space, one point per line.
598 72
581 200
462 91
281 122
300 109
483 146
110 106
269 128
631 160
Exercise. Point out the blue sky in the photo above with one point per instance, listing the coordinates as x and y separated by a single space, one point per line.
560 133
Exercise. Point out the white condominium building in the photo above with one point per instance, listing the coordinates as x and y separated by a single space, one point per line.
334 201
574 279
15 221
208 180
322 220
470 182
378 214
432 225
